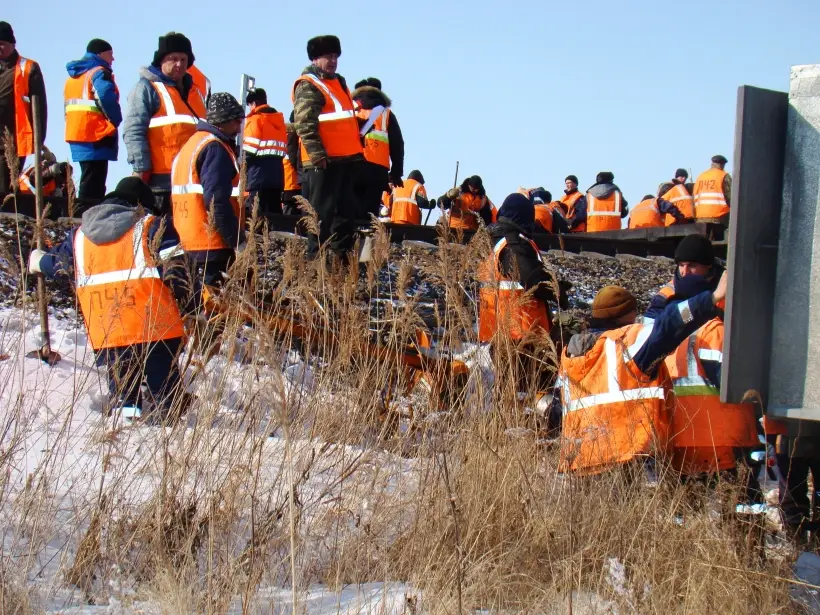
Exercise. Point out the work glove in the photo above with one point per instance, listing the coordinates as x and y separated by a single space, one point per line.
452 193
396 181
34 260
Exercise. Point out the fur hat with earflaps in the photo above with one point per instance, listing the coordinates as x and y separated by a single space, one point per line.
322 45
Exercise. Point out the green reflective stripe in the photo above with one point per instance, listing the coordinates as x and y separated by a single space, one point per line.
378 136
693 390
84 109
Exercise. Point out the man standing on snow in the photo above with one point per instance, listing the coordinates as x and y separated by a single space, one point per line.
92 115
330 145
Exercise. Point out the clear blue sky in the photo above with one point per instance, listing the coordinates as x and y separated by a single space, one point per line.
519 92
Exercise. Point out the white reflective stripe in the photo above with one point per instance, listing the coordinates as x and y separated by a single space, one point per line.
675 199
685 312
502 243
636 346
712 194
611 353
187 189
166 98
414 192
140 271
337 115
689 381
710 202
22 64
336 104
614 397
252 140
167 120
235 192
404 199
710 355
375 114
171 252
80 102
605 213
26 181
250 149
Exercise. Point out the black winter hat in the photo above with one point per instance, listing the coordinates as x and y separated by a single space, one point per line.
682 173
695 249
373 82
98 46
475 181
519 209
572 178
322 45
7 33
544 195
720 159
605 177
257 96
134 191
416 175
173 42
222 108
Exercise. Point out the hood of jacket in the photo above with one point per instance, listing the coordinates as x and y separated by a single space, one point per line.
601 191
581 343
261 109
370 97
109 221
151 73
85 64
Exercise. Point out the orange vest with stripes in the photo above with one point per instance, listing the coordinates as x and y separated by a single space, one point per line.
569 201
202 85
291 175
464 211
646 214
85 121
710 202
544 213
190 212
121 295
338 126
502 303
376 140
172 125
25 184
680 198
612 411
404 208
265 134
704 430
604 214
24 131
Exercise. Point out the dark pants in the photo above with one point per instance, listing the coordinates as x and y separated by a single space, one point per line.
5 172
371 182
153 364
331 195
92 180
270 201
289 206
796 499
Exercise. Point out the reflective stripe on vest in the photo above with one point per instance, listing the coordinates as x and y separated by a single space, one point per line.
592 202
85 121
411 198
604 214
171 115
191 187
339 112
24 131
338 126
710 202
141 270
270 147
646 214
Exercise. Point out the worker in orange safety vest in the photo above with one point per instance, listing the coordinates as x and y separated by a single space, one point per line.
713 191
265 146
616 392
131 288
605 205
404 203
205 190
576 205
20 80
677 193
650 212
162 114
465 204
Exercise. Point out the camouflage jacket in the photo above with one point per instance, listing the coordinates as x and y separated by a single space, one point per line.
307 106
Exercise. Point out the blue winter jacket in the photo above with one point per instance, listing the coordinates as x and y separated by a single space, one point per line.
216 172
106 223
143 103
108 99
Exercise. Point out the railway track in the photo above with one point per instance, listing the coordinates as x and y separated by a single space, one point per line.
638 242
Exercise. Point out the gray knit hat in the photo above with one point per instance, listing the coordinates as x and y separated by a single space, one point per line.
222 108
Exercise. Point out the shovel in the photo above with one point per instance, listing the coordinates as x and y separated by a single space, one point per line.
44 353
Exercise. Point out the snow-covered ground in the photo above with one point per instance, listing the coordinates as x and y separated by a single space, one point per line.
61 458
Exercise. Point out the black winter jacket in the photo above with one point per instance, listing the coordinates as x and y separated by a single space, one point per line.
520 253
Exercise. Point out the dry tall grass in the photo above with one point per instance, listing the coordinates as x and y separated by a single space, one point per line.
371 474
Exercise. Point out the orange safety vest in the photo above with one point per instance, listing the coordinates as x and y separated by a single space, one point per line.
544 213
85 121
604 214
291 176
202 85
405 208
612 412
705 431
265 134
24 131
172 125
646 214
26 184
569 200
376 140
680 198
502 303
190 212
122 297
710 202
464 211
338 127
